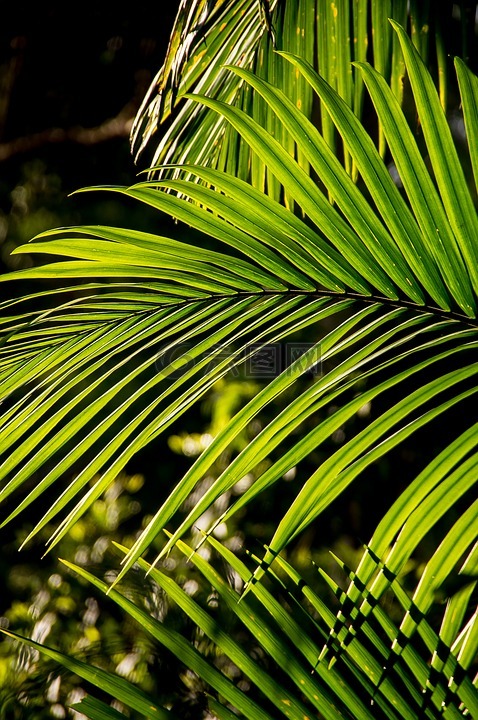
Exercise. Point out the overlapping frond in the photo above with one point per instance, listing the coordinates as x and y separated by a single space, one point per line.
377 671
208 36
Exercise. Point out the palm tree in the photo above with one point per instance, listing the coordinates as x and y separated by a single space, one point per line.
314 226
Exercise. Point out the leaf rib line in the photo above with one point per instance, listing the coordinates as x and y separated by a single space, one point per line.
372 299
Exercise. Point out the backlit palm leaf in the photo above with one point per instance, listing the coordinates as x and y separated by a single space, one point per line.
378 671
329 35
175 327
89 380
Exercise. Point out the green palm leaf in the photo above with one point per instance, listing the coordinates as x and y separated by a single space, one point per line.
93 359
117 687
93 373
292 641
207 36
97 710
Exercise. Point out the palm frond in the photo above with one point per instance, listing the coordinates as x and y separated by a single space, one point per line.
74 370
375 668
207 36
95 371
116 686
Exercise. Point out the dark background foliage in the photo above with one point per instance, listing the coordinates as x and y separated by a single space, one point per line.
71 80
